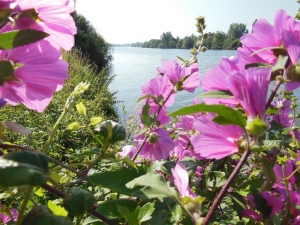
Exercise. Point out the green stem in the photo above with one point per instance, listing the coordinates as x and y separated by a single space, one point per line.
51 136
24 204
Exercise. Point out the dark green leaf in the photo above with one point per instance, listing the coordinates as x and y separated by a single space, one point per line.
154 186
231 115
109 208
116 180
37 159
216 179
13 39
104 133
13 173
244 189
268 170
261 203
216 94
146 118
130 217
77 201
41 215
95 151
238 202
6 72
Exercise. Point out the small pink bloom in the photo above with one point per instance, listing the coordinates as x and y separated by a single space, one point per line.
181 181
176 72
215 141
128 150
161 88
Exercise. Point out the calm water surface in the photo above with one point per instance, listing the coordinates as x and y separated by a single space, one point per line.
135 66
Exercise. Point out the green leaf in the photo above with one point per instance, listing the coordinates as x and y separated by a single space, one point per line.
154 186
57 209
144 213
4 14
232 116
261 203
216 179
130 217
96 120
268 170
216 94
13 173
245 188
109 208
129 162
116 180
6 72
40 215
13 39
110 131
37 159
146 118
81 108
74 126
238 202
181 59
77 201
95 151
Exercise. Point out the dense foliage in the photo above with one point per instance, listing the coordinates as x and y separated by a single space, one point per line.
91 43
217 40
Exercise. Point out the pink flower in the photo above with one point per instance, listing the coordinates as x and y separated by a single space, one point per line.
251 90
37 72
4 218
50 16
273 202
181 181
128 150
185 78
160 88
284 33
215 79
157 146
215 141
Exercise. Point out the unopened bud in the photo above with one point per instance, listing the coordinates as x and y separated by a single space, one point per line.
294 73
256 127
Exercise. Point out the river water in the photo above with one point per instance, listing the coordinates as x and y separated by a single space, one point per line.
135 66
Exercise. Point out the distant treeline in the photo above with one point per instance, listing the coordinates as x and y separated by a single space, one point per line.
217 40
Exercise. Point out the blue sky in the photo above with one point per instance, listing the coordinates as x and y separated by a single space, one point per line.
129 21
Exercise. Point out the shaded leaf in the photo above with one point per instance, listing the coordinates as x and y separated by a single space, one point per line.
232 116
116 180
154 186
216 94
77 201
13 39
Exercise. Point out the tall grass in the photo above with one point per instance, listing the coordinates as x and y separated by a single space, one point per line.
98 100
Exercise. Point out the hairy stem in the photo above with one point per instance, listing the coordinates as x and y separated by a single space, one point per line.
224 189
24 204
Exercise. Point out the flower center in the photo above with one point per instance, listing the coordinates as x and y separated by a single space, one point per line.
153 138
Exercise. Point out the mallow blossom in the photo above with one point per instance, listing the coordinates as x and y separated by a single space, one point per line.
183 77
269 41
4 218
215 141
36 72
181 181
157 146
50 16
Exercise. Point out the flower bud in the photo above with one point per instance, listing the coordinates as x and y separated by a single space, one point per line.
294 73
256 127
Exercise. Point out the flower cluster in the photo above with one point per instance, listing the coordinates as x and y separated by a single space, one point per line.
30 74
269 53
